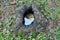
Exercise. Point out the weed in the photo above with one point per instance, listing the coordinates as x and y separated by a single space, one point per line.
1 24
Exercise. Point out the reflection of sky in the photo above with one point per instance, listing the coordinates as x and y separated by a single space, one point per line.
28 21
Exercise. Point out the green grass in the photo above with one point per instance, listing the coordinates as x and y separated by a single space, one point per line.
5 34
56 33
1 24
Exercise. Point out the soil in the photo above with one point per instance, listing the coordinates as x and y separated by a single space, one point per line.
6 7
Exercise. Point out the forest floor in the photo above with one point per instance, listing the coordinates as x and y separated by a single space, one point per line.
50 8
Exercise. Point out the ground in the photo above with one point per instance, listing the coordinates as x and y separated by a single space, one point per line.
49 8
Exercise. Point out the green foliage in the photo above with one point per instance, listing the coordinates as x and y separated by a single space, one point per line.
57 12
9 20
37 2
40 2
5 35
1 24
41 36
20 2
19 33
49 12
56 32
18 38
53 18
